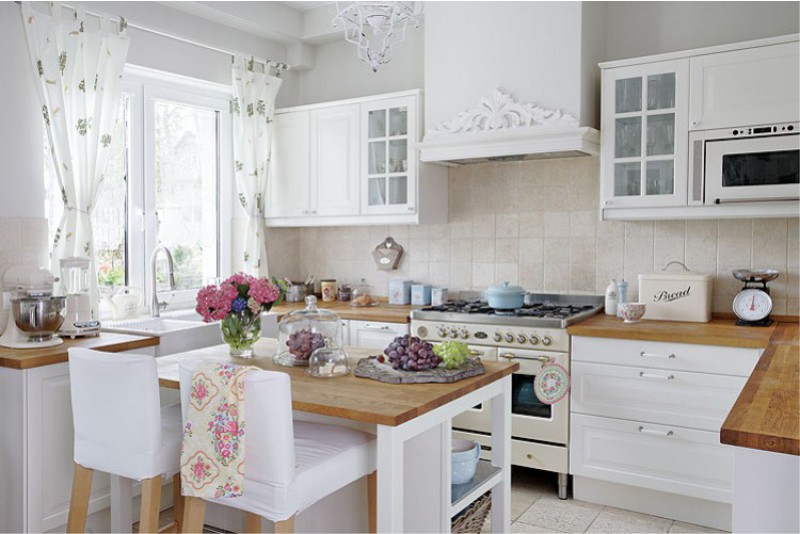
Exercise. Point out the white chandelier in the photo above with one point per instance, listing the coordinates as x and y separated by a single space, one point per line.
375 27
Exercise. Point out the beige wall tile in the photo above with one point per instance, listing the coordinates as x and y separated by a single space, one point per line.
531 250
556 224
507 272
639 250
736 228
483 226
582 251
460 250
507 225
666 249
583 223
507 250
482 275
556 277
581 278
701 251
639 228
531 224
439 250
556 250
733 250
610 251
483 250
460 275
676 229
531 276
440 273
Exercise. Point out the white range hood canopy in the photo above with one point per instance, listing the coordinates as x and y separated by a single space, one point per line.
501 129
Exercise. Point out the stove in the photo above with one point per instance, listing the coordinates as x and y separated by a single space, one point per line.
532 336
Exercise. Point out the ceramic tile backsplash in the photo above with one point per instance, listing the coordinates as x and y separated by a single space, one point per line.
536 224
23 241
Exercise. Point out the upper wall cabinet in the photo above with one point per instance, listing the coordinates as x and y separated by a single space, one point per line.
353 162
709 133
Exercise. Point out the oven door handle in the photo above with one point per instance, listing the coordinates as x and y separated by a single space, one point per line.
474 352
510 356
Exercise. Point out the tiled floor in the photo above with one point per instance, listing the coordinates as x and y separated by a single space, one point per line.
535 507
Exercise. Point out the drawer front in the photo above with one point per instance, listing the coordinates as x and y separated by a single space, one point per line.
670 356
524 453
666 458
693 400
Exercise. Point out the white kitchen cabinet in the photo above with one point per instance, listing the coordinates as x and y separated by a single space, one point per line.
645 420
751 87
353 162
645 134
375 334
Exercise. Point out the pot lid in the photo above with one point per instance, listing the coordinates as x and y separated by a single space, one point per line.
504 289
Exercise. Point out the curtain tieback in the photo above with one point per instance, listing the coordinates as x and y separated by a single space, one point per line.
70 208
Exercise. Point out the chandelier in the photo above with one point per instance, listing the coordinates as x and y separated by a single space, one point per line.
375 27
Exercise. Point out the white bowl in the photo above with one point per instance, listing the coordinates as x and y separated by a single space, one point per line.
465 454
632 312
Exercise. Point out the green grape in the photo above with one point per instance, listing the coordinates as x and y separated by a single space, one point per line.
454 353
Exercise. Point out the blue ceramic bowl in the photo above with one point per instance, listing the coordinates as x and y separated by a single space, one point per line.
465 460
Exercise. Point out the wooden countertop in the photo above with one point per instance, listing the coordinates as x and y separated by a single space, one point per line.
766 416
349 397
106 341
721 332
383 312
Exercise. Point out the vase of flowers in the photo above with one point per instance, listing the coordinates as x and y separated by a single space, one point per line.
238 303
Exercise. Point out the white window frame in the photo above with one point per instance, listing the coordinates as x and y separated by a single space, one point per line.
145 85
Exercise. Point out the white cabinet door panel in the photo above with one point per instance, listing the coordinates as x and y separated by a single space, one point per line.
334 160
693 400
375 335
289 175
665 458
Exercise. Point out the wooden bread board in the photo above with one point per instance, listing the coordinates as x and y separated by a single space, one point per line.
370 368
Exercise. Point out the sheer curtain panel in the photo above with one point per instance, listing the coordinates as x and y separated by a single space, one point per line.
77 62
253 106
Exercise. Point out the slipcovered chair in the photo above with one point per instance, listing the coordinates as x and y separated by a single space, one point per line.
289 465
121 429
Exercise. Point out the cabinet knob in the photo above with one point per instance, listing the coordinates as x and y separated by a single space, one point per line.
411 208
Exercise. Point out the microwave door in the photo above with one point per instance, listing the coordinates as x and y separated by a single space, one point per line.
754 169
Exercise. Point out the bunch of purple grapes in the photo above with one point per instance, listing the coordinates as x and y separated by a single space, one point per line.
410 354
303 342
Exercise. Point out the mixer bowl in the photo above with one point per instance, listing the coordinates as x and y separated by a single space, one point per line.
38 317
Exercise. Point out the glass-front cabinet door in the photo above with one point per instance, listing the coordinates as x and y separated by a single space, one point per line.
645 135
389 166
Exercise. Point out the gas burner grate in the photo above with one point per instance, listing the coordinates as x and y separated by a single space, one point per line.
534 310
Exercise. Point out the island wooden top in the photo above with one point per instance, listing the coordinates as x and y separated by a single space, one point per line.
348 397
766 415
383 312
720 332
106 341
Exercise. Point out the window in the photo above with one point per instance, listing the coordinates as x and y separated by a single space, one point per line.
168 184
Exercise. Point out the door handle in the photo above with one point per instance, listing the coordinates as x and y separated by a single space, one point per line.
376 328
654 375
508 355
652 432
644 354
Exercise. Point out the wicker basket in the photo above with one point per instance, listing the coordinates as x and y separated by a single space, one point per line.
471 520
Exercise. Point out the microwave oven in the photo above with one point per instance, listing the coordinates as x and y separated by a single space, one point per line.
749 164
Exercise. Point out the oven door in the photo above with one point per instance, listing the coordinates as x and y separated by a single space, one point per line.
752 169
530 418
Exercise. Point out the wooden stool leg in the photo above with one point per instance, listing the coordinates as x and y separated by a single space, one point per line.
253 523
285 527
177 501
79 501
372 500
194 511
151 503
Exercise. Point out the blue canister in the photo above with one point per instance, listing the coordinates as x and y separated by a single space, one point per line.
421 295
622 293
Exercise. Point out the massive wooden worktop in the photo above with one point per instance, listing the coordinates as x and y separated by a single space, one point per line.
766 415
106 341
383 312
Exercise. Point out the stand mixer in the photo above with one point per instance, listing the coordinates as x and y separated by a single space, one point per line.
78 320
35 314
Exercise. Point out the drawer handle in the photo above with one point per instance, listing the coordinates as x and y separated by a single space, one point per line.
666 434
650 355
376 328
507 355
476 353
653 375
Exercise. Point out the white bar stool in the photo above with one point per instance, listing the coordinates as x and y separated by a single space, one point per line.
289 465
121 429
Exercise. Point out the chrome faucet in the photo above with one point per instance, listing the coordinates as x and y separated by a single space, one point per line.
155 305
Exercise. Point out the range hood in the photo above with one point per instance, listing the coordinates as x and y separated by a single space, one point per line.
501 129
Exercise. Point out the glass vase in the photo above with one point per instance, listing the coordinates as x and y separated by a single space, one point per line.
240 331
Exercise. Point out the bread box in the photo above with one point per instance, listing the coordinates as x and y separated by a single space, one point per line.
676 295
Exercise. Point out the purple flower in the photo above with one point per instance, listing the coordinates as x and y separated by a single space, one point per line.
239 305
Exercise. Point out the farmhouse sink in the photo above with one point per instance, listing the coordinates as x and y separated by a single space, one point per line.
176 334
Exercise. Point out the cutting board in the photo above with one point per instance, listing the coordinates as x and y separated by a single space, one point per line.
370 368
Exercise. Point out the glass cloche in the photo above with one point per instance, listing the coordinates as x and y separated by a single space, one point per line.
301 332
328 362
362 295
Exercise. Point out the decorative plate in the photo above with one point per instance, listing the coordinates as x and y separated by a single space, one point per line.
551 383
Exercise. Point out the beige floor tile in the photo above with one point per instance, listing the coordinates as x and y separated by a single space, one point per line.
679 527
524 528
563 516
616 521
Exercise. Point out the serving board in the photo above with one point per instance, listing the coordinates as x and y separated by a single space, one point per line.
370 368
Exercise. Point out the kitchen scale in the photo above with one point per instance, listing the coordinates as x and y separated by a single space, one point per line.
752 305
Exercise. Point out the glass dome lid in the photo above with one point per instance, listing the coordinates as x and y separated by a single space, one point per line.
301 332
328 362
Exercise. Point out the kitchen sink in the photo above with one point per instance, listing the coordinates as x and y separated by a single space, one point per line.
175 334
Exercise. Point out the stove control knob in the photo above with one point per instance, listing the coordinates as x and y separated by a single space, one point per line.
453 332
521 338
442 331
546 340
498 337
534 339
464 333
422 332
509 338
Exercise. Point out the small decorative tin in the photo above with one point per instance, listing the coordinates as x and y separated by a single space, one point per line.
328 290
421 295
400 292
438 296
344 293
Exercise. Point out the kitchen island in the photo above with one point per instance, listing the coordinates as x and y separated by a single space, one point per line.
412 424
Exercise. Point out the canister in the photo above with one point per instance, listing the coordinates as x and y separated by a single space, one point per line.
676 295
328 288
400 292
421 295
438 296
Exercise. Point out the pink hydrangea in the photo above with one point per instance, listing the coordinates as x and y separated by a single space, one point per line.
263 292
213 303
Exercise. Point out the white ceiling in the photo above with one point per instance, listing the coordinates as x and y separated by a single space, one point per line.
303 6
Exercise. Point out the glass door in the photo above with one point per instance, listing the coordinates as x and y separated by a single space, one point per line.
390 166
645 135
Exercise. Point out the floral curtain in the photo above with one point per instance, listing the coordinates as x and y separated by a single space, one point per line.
78 69
253 106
